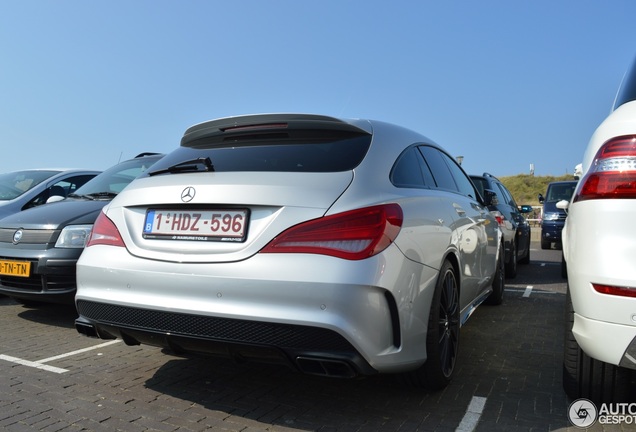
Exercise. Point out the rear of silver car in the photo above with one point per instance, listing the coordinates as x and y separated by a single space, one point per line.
267 260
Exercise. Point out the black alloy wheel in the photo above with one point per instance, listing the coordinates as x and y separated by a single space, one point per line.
442 339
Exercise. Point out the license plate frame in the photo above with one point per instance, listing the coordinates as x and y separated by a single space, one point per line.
15 268
217 224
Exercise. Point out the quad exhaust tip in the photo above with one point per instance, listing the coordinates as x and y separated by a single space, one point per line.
85 328
325 367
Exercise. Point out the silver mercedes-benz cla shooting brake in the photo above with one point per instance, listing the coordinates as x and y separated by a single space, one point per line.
340 247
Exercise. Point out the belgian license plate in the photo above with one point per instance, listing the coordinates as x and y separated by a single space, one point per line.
15 268
196 225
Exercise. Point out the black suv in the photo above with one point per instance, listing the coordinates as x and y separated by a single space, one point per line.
515 228
39 247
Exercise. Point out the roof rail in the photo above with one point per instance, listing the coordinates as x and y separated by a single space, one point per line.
490 175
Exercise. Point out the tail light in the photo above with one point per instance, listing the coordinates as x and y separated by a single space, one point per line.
353 235
499 216
104 233
613 172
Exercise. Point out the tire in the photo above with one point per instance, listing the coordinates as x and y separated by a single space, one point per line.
546 244
442 338
585 377
526 258
511 265
498 282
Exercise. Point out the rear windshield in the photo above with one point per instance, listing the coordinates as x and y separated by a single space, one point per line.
627 92
303 156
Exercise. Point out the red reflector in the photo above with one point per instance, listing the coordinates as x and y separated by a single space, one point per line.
615 290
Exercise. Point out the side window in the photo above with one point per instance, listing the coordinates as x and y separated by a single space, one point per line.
407 171
62 188
506 196
439 168
479 184
76 182
464 184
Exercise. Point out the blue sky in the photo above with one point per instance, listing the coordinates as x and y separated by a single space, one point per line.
503 83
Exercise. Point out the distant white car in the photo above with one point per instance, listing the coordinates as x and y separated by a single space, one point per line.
599 249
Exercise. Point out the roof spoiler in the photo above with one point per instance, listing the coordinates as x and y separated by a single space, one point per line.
267 127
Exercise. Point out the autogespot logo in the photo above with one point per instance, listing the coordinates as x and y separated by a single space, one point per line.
582 413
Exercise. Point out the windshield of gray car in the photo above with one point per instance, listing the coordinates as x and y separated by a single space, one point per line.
112 181
14 184
627 92
305 156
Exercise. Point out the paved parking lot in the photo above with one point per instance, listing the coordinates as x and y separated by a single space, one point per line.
508 378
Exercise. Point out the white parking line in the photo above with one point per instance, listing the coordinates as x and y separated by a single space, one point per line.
473 414
83 350
528 291
32 364
40 363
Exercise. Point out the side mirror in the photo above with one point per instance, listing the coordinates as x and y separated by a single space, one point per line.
541 199
563 205
490 197
525 209
54 198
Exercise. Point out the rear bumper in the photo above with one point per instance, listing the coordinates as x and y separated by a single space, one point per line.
611 343
371 314
307 349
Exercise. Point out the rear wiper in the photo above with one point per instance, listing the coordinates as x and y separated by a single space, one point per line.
98 195
74 195
185 166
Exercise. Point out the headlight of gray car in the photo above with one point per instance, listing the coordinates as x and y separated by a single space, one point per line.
73 236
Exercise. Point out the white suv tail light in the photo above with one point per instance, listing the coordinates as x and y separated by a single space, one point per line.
613 172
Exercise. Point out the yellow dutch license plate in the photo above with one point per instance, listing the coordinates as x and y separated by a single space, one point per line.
15 268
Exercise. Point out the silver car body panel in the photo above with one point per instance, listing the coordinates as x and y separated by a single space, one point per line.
233 280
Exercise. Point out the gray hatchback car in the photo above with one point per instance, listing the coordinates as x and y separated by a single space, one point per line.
21 190
40 246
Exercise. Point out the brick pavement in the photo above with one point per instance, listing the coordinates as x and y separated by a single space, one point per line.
510 354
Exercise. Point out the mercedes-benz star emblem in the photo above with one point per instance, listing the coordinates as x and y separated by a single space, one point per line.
17 236
187 194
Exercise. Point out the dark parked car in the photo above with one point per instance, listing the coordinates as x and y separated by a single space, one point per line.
554 218
515 228
21 190
39 247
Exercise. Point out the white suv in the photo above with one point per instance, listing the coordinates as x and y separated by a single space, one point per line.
599 248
